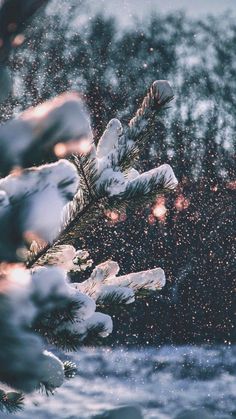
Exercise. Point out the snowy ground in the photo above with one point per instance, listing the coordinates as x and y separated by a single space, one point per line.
162 381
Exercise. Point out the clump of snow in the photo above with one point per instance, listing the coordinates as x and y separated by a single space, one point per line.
65 117
105 269
18 291
132 174
100 319
162 91
61 119
67 258
105 275
21 350
113 181
152 279
163 176
49 281
24 297
36 191
52 371
97 278
87 304
110 137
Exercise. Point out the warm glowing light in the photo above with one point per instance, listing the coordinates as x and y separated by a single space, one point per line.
31 236
37 112
60 150
151 219
159 209
41 110
181 203
18 274
18 40
16 171
112 215
82 146
231 185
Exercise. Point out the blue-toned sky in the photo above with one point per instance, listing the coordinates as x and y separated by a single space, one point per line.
125 9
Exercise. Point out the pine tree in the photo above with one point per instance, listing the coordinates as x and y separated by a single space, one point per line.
43 210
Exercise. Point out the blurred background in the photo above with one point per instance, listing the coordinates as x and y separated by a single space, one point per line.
112 52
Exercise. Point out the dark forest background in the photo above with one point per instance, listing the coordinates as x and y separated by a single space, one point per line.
190 234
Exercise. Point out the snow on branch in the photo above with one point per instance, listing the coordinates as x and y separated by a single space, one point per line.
66 257
116 152
60 126
104 285
143 125
149 184
109 140
40 301
31 205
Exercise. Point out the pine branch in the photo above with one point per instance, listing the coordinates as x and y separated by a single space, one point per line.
93 337
86 167
11 402
65 339
137 197
143 124
52 319
140 129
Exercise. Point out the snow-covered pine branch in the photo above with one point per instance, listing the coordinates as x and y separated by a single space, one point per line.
104 285
57 127
42 303
141 126
23 362
31 205
63 313
107 177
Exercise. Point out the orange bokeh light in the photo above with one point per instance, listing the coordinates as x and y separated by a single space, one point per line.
159 210
181 203
82 146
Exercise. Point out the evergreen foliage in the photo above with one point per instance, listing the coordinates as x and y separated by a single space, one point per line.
38 302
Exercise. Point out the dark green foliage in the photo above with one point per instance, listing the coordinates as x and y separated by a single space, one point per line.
66 311
112 301
65 339
86 166
11 402
93 337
